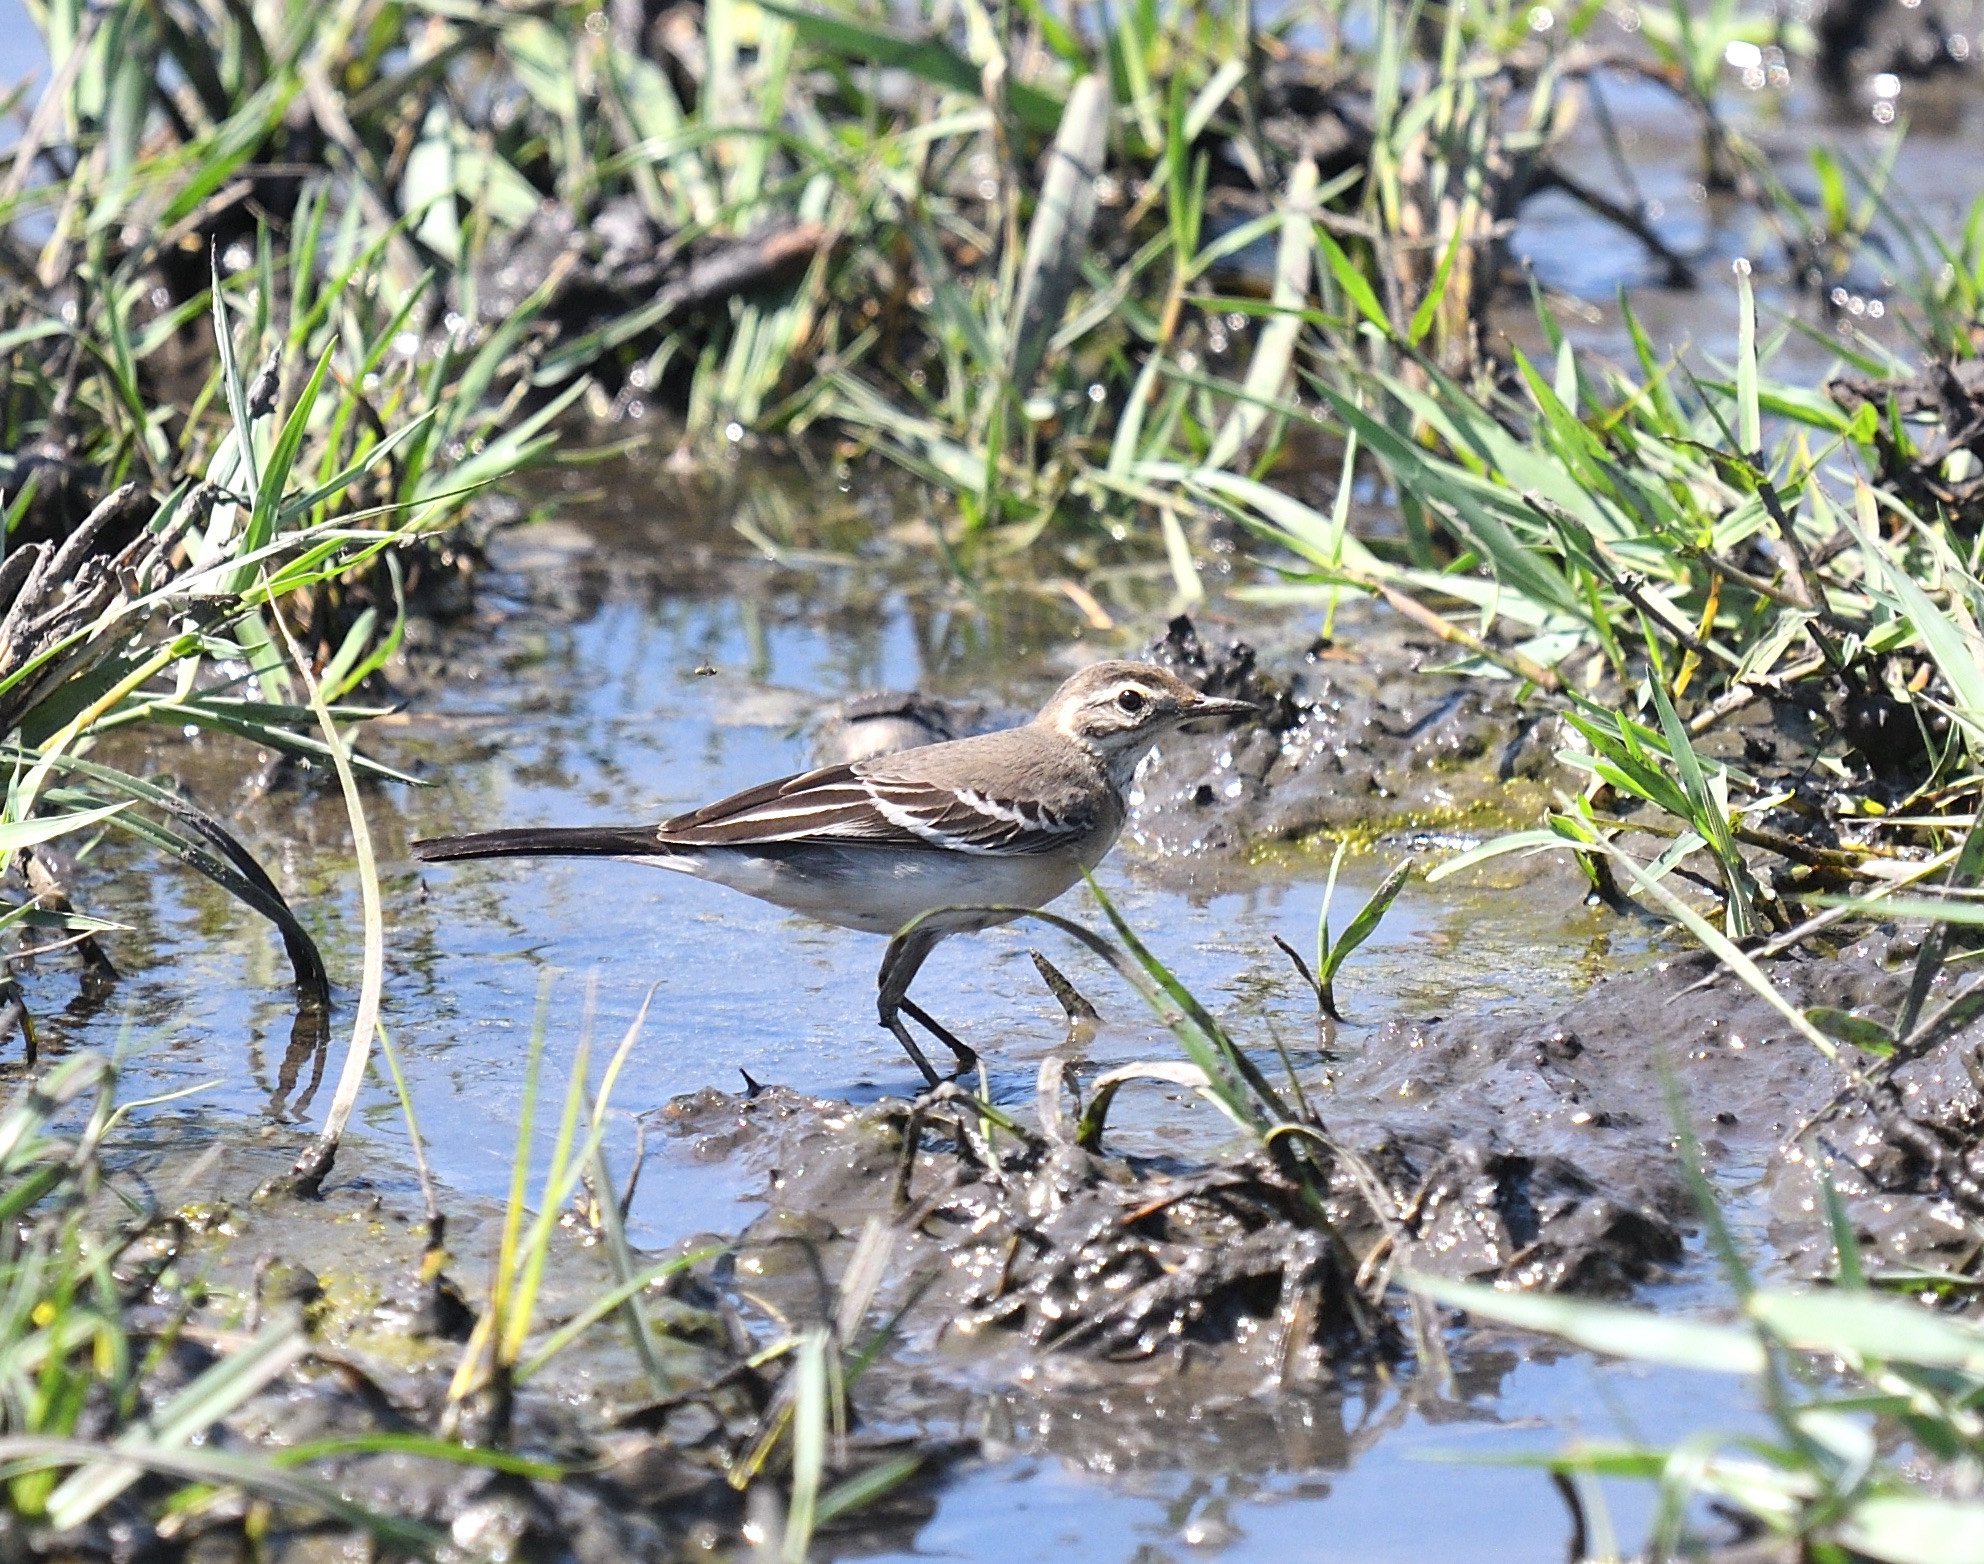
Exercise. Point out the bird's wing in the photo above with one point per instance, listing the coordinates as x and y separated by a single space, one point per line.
879 804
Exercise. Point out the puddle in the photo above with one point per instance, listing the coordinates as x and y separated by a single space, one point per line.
1585 261
1379 1480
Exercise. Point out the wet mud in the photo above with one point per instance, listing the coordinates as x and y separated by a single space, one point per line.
1532 1152
1359 736
1094 1305
608 1469
1541 1149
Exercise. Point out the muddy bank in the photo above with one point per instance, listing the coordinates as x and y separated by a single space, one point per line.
1540 1150
598 1461
1104 1308
1359 736
1534 1152
1093 1305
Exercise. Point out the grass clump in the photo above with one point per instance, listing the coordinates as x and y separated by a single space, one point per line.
315 487
1658 555
145 1398
99 1417
1035 265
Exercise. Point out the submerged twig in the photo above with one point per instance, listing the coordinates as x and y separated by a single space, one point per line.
1082 1016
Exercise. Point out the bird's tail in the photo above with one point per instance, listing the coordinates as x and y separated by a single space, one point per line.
583 841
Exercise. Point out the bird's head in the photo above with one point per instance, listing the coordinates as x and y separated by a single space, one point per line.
1117 710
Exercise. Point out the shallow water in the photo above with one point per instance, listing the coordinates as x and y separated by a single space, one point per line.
1412 1483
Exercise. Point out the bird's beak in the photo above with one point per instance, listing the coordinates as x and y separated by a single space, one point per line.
1220 706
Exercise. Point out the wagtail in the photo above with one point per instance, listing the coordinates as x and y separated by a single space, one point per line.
1011 818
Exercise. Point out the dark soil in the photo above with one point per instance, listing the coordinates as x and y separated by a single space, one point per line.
1542 1151
1357 737
1533 1152
642 1477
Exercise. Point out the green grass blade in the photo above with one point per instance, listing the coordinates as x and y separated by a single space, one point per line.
1749 420
1610 1328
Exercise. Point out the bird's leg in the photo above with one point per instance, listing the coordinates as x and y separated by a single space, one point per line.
894 1024
905 954
967 1055
900 964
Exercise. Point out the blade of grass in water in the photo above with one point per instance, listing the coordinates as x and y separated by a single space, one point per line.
613 1227
315 1163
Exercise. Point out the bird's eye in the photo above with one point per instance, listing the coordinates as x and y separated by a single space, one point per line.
1131 702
